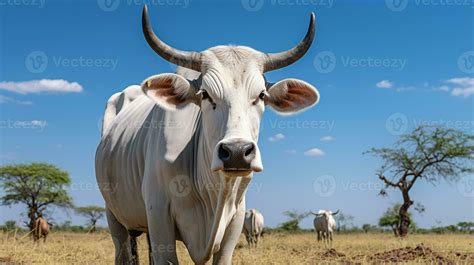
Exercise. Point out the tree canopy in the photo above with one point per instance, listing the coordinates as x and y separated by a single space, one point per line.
93 213
37 185
294 219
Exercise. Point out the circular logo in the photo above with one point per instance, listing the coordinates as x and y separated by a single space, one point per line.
466 62
325 62
397 124
180 186
252 5
108 5
466 186
36 62
396 5
325 185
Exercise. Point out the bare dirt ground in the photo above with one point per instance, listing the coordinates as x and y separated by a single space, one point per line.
276 248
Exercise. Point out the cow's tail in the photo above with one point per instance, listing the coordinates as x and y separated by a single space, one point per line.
110 112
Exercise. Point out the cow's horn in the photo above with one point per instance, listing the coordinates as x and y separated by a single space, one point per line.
191 60
275 61
335 212
315 214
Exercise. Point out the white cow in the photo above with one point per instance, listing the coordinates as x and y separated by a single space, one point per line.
118 101
253 226
176 164
324 225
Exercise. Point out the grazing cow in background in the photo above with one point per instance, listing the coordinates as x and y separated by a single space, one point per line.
253 226
176 163
324 225
41 229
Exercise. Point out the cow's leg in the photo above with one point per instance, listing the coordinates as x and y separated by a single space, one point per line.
249 239
325 239
120 238
318 233
161 229
231 237
330 239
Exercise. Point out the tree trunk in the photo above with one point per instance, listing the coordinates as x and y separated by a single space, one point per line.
93 228
32 216
395 230
404 224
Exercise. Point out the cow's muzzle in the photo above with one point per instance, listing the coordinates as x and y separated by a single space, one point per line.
237 157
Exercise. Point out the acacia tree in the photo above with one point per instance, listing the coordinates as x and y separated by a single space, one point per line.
94 213
37 185
429 153
294 219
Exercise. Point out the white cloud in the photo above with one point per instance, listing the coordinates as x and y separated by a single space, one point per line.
384 84
6 100
327 138
463 86
314 152
41 86
277 137
460 87
291 151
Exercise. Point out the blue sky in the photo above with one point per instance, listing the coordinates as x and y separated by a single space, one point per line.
382 67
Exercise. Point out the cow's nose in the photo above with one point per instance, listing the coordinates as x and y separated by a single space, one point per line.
237 155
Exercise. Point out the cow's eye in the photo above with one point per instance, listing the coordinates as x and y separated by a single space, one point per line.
262 95
205 95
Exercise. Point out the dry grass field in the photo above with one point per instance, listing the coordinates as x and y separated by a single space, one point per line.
277 248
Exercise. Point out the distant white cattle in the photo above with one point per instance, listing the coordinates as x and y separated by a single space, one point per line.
176 164
324 225
253 226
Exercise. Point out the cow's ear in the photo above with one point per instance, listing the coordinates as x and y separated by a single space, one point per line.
170 91
290 96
